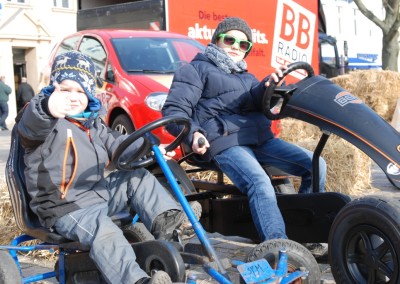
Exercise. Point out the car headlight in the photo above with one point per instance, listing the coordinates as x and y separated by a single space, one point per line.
156 100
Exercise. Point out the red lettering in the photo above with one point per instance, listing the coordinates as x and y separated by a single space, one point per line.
303 32
287 23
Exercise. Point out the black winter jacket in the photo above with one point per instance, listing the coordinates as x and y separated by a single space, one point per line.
226 108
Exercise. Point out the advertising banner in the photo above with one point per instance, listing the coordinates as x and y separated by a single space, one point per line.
284 31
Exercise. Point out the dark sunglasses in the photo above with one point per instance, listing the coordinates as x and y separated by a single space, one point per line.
229 40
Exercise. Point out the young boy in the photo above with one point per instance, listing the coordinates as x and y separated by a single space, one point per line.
67 149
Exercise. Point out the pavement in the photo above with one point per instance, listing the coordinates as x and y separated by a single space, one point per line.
5 140
232 248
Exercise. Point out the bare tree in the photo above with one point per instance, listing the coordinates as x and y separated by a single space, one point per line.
390 30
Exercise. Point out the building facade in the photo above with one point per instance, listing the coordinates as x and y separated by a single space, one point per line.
28 31
348 25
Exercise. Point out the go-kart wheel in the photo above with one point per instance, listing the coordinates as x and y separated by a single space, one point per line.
160 255
139 158
364 241
270 91
298 257
9 272
136 233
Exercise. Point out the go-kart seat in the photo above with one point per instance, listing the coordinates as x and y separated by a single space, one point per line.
26 220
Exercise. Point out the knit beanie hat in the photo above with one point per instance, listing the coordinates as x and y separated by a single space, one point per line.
232 23
80 68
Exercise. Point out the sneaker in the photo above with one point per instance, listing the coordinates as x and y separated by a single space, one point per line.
165 224
187 231
317 249
159 277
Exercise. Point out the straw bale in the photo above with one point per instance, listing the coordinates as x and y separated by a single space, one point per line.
7 223
349 169
379 89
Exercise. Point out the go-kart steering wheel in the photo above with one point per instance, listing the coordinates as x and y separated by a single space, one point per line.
284 92
139 158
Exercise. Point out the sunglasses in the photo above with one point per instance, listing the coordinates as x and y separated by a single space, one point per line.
229 40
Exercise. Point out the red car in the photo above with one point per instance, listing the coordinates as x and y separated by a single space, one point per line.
136 68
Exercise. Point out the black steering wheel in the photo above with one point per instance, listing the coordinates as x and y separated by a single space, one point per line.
141 158
284 92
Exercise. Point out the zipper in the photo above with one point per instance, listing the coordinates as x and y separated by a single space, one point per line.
70 144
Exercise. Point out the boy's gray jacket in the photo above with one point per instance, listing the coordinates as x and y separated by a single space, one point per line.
65 162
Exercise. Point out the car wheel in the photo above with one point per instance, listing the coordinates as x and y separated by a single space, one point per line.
136 233
364 241
9 272
298 258
122 124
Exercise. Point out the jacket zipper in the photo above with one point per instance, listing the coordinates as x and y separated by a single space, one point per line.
64 184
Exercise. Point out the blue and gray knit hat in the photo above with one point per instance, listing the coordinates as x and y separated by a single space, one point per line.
80 68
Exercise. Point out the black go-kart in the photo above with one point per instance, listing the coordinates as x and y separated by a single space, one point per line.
363 234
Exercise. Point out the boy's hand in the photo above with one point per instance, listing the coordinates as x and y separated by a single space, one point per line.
200 149
59 105
276 76
167 155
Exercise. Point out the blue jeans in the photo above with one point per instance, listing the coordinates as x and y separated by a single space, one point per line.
3 114
242 165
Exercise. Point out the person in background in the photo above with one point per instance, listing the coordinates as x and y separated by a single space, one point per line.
68 147
24 93
5 92
224 103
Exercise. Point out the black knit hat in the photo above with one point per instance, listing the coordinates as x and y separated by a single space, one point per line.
232 23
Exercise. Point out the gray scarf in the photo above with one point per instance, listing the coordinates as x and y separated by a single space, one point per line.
223 60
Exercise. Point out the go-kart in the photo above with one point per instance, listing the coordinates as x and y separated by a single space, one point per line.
363 234
74 264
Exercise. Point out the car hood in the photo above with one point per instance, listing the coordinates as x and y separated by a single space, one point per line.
154 82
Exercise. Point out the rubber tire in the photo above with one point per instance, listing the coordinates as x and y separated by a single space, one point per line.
298 256
137 233
365 219
123 124
9 272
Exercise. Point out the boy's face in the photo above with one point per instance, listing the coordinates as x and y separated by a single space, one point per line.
231 44
75 96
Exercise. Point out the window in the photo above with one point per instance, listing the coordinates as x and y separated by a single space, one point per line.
67 45
93 48
16 1
61 3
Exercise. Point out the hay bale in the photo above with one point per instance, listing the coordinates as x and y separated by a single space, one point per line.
349 169
7 222
379 89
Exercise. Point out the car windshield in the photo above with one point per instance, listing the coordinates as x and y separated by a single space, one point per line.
155 55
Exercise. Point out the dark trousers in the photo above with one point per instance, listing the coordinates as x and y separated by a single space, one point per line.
3 114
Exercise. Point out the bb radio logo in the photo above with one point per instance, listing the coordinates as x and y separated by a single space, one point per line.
293 35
